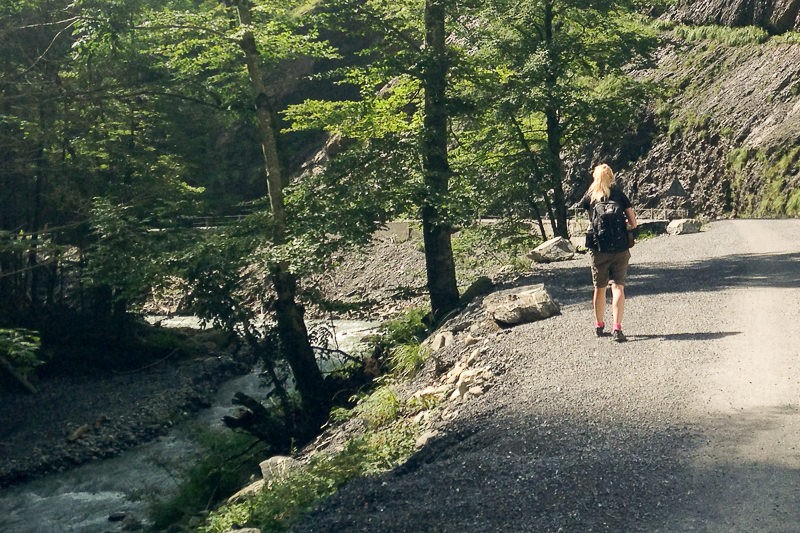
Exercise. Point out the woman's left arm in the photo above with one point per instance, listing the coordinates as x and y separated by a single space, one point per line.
631 218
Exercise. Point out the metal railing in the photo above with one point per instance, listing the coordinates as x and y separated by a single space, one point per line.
644 213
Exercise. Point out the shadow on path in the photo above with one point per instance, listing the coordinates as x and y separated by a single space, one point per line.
519 472
573 284
739 485
523 471
705 336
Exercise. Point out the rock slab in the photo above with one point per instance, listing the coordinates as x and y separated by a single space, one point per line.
521 305
683 226
556 249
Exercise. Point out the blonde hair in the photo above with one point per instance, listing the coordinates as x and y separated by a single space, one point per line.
601 186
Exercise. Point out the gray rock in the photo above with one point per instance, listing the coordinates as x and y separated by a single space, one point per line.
442 340
249 490
682 226
776 15
656 227
426 437
277 468
556 249
521 305
482 285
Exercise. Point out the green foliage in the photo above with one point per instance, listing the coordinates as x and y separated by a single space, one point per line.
370 118
502 242
738 157
228 460
216 269
133 247
277 507
789 37
777 181
778 199
406 359
793 203
409 328
20 348
344 203
379 407
519 74
689 122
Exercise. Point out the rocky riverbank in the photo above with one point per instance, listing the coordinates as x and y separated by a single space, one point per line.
76 419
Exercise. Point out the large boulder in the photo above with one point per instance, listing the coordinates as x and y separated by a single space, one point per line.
556 249
521 305
278 468
683 225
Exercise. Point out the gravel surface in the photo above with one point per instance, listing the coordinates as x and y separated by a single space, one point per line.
691 425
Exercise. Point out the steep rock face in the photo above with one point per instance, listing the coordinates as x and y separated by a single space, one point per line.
777 16
730 132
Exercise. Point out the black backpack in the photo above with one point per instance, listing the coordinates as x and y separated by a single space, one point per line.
609 227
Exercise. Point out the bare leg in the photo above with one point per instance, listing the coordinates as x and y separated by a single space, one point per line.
599 302
617 302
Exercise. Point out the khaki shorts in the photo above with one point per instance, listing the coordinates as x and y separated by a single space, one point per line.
609 267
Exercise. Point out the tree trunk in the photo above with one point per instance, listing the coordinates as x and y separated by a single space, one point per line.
538 216
531 182
259 422
291 327
439 264
295 344
33 253
554 129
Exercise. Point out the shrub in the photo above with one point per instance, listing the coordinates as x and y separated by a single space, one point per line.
407 329
279 506
379 408
405 360
20 348
229 459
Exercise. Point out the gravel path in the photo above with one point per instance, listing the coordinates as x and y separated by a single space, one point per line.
693 425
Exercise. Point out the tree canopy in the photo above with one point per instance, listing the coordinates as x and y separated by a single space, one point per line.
237 145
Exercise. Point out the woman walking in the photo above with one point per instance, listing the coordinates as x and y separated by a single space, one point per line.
611 217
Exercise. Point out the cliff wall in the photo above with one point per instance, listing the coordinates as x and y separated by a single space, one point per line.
776 16
729 130
727 126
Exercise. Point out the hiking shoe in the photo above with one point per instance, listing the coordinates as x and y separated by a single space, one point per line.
598 330
618 336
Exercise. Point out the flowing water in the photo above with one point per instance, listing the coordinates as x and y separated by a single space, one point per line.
107 495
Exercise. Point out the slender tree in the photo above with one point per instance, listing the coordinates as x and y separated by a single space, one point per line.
404 88
557 71
435 228
291 326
